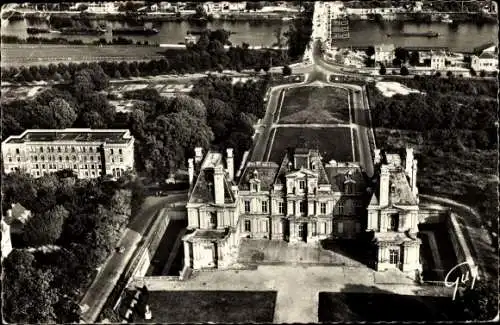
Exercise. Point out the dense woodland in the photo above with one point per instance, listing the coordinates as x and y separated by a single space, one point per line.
81 221
453 127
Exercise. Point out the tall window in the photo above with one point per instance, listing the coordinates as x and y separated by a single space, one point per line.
120 151
264 206
323 208
111 151
394 222
247 225
281 207
17 151
394 256
302 207
264 226
314 229
302 185
340 227
213 219
247 206
341 207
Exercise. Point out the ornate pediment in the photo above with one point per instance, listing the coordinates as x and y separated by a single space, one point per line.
301 173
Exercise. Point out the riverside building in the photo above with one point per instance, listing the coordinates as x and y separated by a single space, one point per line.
90 153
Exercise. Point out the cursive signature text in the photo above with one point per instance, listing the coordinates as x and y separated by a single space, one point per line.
461 279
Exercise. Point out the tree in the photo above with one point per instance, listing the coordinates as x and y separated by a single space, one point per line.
449 74
287 70
482 74
280 41
46 228
404 71
478 303
382 70
396 62
401 54
28 296
473 72
414 58
370 51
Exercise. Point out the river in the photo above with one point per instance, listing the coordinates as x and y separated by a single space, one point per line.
463 37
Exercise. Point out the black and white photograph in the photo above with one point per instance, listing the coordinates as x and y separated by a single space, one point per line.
249 162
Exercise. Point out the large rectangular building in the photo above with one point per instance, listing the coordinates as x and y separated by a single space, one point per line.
90 153
301 199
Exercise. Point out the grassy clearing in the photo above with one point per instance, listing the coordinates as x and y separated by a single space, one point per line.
332 143
315 105
381 306
212 306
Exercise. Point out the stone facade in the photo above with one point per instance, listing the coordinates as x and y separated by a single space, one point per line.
393 214
300 200
89 153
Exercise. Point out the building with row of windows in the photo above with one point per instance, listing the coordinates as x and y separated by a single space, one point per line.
90 153
301 200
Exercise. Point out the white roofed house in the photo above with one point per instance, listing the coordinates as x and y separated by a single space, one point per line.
487 61
438 60
384 53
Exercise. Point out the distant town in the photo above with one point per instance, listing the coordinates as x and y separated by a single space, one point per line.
249 162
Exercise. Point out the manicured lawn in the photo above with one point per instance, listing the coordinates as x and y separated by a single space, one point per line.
326 105
382 306
332 143
212 306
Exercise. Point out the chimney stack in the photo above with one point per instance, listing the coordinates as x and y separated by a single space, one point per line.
198 154
377 158
384 186
191 170
230 163
409 162
219 184
413 178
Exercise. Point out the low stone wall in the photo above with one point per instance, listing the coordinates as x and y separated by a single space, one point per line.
151 243
433 216
460 247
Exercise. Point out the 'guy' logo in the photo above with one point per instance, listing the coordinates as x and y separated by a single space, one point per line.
461 279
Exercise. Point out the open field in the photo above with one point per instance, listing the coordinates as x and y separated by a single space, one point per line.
212 306
28 54
315 104
332 143
378 305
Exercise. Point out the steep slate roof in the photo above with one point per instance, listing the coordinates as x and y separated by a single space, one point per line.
488 55
266 173
203 192
399 189
400 192
338 175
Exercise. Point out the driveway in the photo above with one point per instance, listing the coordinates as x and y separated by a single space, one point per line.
110 272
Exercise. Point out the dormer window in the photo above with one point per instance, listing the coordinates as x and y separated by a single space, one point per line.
255 188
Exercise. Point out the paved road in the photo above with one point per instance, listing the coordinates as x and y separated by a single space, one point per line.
110 272
29 54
